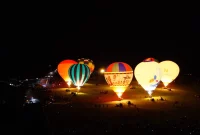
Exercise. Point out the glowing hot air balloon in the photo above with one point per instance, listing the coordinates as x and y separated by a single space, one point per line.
87 62
150 59
148 75
169 70
118 75
79 74
63 68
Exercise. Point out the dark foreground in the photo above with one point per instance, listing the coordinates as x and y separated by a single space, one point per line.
62 119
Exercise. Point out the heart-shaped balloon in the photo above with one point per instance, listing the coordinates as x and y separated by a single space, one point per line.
170 70
148 75
63 68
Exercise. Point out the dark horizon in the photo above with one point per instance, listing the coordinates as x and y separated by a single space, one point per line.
38 62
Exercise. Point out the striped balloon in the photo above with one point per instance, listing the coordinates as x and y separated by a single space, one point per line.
79 74
119 67
118 75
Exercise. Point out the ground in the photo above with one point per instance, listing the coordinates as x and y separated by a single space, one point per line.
90 106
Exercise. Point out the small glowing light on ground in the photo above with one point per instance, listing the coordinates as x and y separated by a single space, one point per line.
34 100
102 71
81 93
125 101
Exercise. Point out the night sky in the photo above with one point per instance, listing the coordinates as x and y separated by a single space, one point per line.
101 33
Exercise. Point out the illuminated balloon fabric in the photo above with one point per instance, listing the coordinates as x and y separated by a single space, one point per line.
87 62
150 60
63 68
148 75
170 70
118 75
79 74
119 67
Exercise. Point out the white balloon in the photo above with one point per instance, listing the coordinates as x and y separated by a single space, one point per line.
148 75
170 70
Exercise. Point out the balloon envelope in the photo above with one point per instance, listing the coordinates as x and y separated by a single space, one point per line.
148 75
79 74
87 62
63 68
150 59
170 70
118 75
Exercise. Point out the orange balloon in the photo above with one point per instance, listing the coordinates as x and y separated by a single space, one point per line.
63 68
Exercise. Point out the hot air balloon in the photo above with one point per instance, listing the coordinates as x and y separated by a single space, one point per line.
118 75
169 70
79 74
150 59
63 68
148 75
87 62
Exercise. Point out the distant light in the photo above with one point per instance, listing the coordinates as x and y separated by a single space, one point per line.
34 100
102 71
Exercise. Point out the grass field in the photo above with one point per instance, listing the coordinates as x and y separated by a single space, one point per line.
90 108
89 96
